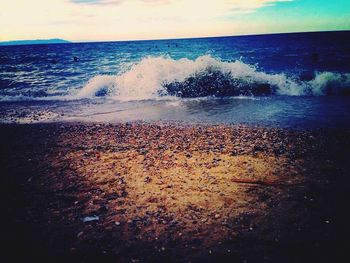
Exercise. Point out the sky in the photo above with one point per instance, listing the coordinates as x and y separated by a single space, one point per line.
107 20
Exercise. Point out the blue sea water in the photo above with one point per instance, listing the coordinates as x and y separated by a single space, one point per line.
299 80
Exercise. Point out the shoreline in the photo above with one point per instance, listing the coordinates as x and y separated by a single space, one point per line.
169 191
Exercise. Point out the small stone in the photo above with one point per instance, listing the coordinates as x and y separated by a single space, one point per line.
217 216
147 179
90 218
117 223
80 234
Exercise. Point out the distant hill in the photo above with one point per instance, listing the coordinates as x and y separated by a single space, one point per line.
34 42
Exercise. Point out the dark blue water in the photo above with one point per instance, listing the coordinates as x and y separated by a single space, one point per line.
287 80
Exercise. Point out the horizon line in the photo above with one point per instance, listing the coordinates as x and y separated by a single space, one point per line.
178 38
220 36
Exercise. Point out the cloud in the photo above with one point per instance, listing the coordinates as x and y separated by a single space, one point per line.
87 1
96 2
233 4
123 19
116 1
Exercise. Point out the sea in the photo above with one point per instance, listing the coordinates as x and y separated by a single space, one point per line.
295 80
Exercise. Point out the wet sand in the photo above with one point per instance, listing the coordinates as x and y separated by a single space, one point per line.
170 192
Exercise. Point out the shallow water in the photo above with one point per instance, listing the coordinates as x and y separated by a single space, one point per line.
274 111
286 80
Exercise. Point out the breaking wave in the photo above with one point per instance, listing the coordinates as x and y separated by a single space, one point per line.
163 77
155 77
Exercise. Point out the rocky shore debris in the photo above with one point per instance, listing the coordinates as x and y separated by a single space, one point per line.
90 218
153 190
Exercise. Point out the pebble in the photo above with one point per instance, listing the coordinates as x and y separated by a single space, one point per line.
90 218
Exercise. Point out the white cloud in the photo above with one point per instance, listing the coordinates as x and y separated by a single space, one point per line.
121 19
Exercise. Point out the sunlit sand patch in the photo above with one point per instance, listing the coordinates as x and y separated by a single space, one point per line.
177 195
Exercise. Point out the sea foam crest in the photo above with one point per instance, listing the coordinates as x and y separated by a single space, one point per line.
162 77
155 77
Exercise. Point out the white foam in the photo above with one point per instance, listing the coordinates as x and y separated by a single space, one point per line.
145 79
97 84
328 81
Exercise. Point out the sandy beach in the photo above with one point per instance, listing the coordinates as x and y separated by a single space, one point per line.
172 192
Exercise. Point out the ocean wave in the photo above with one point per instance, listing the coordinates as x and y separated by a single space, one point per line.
166 78
156 77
